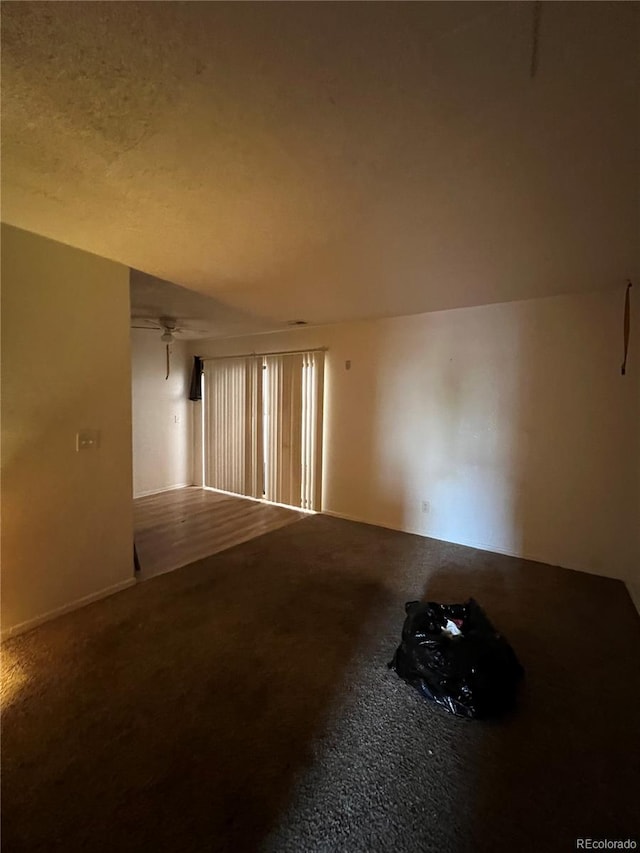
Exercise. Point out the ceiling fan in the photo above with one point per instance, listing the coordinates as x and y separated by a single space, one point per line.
169 328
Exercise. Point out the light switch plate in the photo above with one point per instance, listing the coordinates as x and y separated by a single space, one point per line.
87 439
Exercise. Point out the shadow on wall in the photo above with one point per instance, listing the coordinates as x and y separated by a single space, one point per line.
511 422
50 518
354 418
576 466
161 414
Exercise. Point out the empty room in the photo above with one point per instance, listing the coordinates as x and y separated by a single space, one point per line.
320 426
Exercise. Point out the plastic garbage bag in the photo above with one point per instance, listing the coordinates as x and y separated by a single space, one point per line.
471 673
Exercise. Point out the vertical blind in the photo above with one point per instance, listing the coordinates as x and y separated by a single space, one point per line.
263 427
233 428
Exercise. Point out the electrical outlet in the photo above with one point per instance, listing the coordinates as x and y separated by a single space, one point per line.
87 439
425 506
176 419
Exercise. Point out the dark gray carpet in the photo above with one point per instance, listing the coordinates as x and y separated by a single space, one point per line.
243 703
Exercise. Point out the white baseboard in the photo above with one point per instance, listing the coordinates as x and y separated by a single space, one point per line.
634 591
481 546
21 627
159 491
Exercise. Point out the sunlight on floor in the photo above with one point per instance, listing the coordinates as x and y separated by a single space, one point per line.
12 679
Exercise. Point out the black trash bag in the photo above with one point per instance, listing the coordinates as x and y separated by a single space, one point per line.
473 673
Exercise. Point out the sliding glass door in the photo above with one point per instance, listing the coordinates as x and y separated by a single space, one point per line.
233 441
263 426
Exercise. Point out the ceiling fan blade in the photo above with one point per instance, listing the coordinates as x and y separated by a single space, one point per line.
191 330
151 328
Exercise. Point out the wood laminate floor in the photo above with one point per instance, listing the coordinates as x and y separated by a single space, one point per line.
178 527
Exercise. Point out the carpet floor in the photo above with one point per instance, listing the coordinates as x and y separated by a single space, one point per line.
243 703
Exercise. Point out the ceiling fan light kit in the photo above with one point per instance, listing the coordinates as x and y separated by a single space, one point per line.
169 328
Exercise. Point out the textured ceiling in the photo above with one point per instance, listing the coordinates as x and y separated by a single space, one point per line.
329 160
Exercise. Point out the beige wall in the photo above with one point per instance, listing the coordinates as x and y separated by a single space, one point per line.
66 516
162 439
511 420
